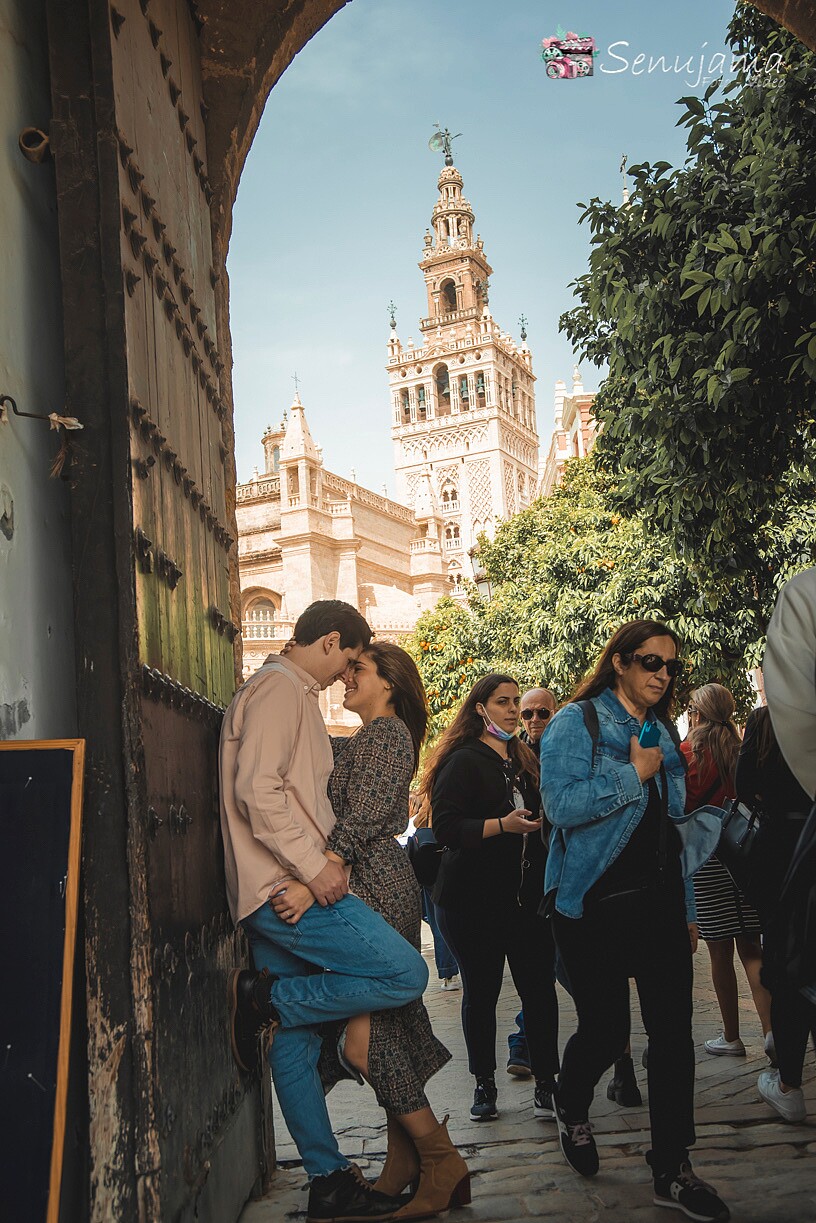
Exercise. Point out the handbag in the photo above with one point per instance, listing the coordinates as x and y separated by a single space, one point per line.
425 855
738 845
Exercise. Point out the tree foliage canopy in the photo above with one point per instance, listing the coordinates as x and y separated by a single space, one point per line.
700 297
565 573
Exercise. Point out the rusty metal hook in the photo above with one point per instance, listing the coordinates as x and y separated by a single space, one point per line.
7 399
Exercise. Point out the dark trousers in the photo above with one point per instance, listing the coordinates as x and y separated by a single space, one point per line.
645 937
793 1019
482 939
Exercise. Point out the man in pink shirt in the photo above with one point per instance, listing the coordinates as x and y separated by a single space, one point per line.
275 761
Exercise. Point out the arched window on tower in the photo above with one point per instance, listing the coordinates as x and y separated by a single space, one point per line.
405 405
452 535
422 407
450 498
447 297
464 393
443 394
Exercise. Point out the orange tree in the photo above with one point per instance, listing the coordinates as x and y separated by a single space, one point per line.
565 573
701 299
445 647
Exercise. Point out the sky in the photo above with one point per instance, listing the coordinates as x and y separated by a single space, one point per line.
340 183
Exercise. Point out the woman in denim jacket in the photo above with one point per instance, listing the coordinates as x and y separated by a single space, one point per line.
622 854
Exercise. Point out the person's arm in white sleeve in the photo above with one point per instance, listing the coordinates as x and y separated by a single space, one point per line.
789 670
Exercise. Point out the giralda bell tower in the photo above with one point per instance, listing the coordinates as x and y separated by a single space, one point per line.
463 400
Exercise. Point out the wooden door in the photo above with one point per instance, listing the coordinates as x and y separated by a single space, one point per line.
178 1134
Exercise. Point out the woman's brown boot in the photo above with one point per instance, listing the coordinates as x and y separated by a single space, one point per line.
401 1167
444 1180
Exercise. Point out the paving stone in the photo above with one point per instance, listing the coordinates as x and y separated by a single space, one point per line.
766 1169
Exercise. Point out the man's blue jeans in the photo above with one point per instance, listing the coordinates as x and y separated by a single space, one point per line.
446 965
371 968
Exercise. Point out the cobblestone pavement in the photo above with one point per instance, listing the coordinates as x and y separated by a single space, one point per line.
764 1169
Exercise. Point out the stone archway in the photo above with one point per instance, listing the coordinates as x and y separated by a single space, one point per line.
155 105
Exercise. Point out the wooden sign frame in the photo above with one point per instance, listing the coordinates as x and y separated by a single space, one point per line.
77 747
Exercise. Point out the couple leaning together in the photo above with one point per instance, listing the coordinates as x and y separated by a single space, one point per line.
340 979
304 818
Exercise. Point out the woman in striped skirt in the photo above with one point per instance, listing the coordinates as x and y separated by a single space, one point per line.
724 917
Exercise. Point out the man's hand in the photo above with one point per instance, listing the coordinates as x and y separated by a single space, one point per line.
330 884
647 760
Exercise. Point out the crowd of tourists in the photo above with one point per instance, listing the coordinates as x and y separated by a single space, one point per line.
582 845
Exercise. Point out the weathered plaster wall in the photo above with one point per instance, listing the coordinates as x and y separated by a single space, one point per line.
36 642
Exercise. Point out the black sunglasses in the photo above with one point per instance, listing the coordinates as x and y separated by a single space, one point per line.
543 713
654 663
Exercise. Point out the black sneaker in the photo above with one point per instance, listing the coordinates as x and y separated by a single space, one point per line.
577 1144
684 1191
345 1197
623 1088
483 1107
543 1100
518 1063
251 1014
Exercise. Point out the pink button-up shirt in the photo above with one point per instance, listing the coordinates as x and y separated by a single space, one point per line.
275 761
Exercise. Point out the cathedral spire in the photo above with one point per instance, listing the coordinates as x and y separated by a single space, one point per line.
298 442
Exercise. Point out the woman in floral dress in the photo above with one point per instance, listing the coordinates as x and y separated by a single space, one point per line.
395 1050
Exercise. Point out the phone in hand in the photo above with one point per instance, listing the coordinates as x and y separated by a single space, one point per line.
649 734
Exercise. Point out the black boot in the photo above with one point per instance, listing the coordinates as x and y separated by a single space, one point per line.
251 1014
623 1088
344 1195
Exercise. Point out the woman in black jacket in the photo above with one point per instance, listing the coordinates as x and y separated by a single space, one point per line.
483 786
763 780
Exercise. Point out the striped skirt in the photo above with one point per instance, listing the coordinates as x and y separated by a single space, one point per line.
722 910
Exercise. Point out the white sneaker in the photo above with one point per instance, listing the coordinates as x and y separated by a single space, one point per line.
450 983
725 1048
789 1104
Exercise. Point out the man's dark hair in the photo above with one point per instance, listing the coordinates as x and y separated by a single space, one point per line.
333 616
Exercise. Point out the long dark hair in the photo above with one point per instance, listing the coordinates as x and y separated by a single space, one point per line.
767 748
407 693
626 641
468 724
716 733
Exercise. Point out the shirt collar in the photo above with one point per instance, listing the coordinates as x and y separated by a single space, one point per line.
617 710
309 682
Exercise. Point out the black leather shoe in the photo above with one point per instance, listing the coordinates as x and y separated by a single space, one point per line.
345 1197
623 1088
251 1014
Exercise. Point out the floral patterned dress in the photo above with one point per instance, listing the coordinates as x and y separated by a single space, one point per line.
369 793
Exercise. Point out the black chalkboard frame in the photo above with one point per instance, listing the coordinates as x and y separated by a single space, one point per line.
77 747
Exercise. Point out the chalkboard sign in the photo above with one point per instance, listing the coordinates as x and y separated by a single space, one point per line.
40 830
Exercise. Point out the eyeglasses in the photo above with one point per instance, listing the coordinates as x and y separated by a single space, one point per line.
542 713
692 709
654 663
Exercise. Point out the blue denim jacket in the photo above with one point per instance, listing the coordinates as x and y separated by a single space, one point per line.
594 809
